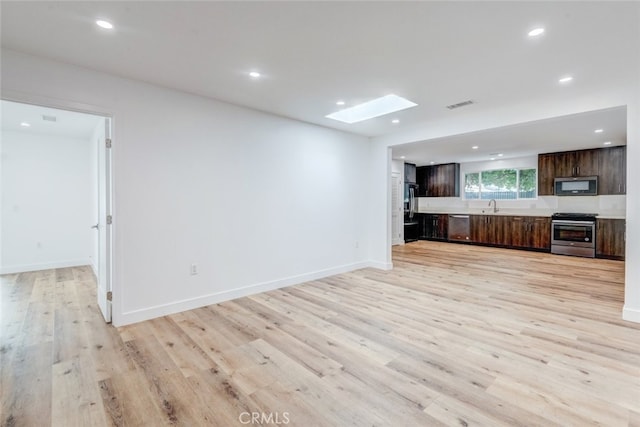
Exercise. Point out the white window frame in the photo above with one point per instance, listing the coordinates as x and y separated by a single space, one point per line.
479 172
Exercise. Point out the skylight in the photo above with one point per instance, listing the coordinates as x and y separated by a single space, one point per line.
370 109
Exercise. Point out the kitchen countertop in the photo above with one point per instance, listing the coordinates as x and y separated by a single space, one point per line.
513 212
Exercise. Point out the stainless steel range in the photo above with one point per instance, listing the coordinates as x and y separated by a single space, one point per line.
573 234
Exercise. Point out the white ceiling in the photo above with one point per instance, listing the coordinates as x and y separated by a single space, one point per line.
572 132
68 123
312 54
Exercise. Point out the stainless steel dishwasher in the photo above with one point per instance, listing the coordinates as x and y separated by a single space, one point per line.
459 230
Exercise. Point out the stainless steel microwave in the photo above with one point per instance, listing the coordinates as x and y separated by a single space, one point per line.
576 186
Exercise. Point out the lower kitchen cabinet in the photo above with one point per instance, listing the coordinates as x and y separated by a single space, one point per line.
610 238
411 230
530 232
434 226
540 232
489 229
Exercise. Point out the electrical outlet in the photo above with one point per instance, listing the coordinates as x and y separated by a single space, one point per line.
357 245
194 269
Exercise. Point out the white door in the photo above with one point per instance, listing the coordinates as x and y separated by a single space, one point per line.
397 214
104 221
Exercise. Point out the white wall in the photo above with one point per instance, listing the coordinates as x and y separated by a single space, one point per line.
519 162
45 190
631 309
257 201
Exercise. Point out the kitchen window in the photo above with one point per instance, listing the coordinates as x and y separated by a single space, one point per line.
501 184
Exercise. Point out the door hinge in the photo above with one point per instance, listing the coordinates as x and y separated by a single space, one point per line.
107 142
109 219
109 296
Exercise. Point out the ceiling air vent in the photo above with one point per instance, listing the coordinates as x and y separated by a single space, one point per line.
459 104
49 118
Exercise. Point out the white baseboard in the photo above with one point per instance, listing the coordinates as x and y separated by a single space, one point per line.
94 268
381 265
43 266
631 314
189 304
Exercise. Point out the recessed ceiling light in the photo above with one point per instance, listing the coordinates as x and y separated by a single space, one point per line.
25 124
432 163
104 24
566 79
395 121
374 108
254 74
475 147
340 102
598 130
403 157
492 158
500 155
536 32
607 143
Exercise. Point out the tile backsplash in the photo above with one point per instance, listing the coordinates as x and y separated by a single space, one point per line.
543 205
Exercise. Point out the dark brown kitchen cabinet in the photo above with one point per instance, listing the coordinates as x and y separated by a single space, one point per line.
488 229
530 232
577 163
612 170
567 164
540 233
546 174
518 232
439 180
422 180
479 228
409 173
610 238
434 226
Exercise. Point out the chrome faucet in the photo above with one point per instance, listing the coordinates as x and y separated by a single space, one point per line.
495 205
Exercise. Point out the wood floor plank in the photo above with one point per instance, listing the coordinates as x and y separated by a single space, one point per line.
77 399
561 404
453 335
27 399
454 412
64 274
185 353
128 401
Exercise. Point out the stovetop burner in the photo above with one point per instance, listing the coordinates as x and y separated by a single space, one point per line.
575 216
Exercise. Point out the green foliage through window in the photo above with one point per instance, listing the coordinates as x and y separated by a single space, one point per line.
501 184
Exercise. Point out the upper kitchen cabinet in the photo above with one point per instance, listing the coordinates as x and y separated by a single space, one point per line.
612 170
609 164
409 173
546 174
439 180
577 163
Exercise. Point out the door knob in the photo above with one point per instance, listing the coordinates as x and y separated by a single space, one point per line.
95 226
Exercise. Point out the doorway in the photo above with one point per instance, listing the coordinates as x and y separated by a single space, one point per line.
55 192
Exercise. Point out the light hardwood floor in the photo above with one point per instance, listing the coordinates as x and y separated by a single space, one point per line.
454 335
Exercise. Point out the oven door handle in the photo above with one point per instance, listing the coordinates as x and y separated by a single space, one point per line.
562 221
